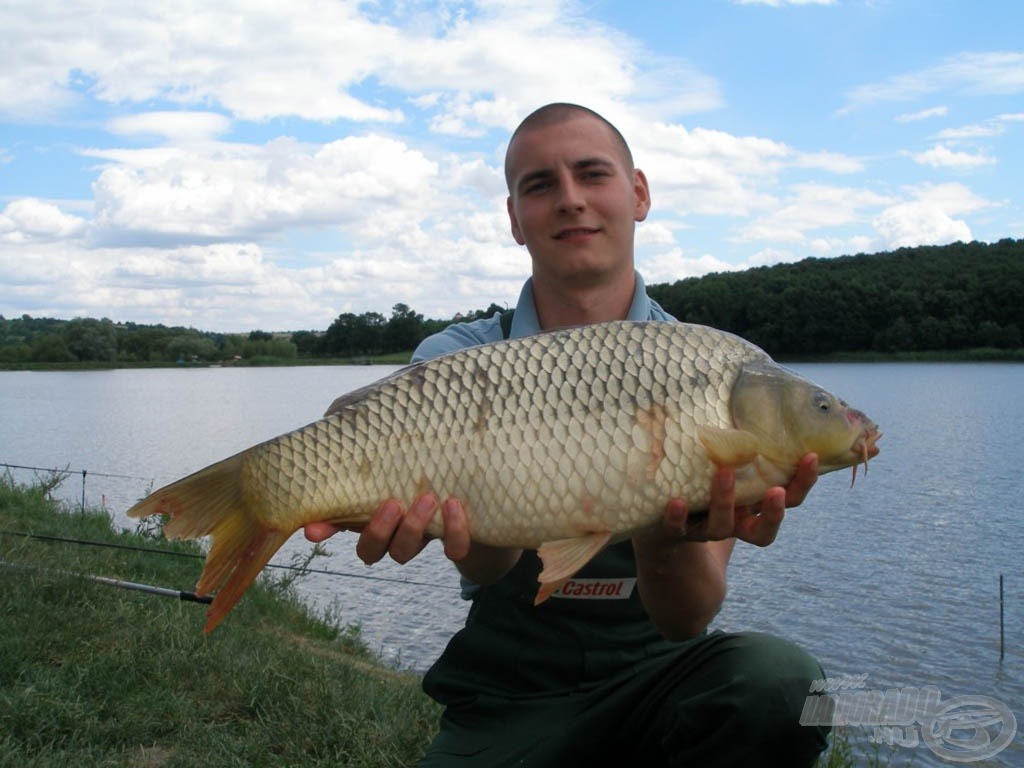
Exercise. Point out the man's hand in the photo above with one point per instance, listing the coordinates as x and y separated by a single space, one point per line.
757 524
681 563
403 535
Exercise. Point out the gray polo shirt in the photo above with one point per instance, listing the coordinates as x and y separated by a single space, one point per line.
524 323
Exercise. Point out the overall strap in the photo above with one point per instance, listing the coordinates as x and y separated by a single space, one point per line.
506 322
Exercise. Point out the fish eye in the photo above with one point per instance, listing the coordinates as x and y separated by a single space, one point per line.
822 401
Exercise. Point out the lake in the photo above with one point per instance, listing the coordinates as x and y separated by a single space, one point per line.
895 580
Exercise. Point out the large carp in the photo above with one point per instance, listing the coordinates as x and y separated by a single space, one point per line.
559 442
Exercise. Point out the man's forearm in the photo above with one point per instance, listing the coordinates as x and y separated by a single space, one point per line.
682 584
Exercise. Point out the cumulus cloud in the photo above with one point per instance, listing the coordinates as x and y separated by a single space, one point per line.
919 223
236 191
30 220
812 207
672 265
310 59
196 213
708 171
929 217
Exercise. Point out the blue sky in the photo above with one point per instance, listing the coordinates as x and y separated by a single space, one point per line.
252 164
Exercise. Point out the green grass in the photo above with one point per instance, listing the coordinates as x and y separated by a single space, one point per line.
96 676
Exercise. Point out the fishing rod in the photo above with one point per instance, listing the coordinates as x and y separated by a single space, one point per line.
135 586
199 556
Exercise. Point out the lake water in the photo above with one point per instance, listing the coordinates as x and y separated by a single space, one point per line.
895 579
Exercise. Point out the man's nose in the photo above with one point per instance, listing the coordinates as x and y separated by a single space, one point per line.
570 197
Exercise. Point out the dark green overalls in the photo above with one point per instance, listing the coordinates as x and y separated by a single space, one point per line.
590 681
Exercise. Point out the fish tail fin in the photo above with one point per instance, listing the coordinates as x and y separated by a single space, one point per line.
210 503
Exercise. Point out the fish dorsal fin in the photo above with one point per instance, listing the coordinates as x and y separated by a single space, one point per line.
562 558
728 447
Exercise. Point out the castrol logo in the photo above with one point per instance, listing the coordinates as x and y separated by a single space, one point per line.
596 589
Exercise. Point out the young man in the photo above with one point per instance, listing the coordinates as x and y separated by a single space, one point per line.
632 677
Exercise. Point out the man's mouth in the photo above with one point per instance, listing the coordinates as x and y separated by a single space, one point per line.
567 234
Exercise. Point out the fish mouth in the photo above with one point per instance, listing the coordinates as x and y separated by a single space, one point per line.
864 448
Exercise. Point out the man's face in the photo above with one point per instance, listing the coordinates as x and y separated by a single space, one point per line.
574 201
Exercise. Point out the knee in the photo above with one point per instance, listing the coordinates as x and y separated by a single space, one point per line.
770 681
772 673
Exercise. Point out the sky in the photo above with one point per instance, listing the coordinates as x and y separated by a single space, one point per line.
250 164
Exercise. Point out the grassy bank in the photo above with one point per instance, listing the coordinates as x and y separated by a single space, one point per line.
96 676
92 675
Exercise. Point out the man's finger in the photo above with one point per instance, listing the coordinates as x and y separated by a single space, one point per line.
456 530
377 534
410 538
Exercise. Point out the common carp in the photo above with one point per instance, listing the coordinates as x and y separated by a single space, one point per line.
560 442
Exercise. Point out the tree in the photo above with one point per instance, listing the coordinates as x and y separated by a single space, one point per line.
50 348
89 339
307 343
352 335
404 330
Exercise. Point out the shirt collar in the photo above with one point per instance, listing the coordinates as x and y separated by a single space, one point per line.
526 323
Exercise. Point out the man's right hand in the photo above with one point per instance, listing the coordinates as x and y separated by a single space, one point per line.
403 534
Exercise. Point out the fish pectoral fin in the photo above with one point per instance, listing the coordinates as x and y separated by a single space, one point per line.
562 558
728 447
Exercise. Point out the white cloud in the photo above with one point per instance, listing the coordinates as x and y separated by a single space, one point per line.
833 162
197 213
994 72
928 218
672 265
811 207
966 132
919 223
941 156
708 171
235 191
175 126
309 59
29 220
924 114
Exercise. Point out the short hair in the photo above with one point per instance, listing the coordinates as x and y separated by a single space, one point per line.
554 114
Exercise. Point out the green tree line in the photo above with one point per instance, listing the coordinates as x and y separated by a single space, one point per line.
954 297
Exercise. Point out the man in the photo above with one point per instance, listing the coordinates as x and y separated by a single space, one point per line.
631 678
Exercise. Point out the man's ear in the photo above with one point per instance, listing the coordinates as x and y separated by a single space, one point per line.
517 233
643 195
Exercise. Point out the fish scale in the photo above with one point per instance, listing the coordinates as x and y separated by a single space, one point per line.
557 442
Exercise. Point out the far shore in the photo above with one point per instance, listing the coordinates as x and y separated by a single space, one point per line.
977 355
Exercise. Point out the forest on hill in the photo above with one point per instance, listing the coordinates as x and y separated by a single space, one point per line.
952 298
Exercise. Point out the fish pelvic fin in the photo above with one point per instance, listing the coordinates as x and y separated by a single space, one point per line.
562 558
210 503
